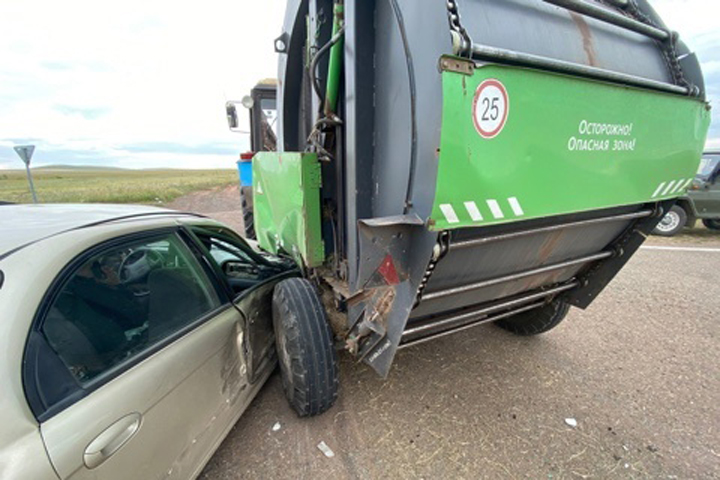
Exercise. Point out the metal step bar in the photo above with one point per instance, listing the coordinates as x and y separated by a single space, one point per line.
515 276
509 57
608 16
461 319
466 326
618 3
476 242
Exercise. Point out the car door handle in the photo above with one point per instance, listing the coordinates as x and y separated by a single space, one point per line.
111 439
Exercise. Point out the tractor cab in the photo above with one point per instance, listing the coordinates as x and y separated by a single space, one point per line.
262 106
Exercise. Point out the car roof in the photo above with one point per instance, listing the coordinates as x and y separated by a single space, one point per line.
21 225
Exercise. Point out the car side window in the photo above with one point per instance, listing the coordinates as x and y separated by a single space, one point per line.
124 299
222 250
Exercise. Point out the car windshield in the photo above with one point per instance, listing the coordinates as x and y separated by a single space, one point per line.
707 166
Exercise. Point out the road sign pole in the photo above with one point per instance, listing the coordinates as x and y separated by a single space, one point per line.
30 180
25 152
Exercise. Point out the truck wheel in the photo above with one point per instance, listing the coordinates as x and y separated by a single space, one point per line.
308 360
711 223
672 222
246 201
536 321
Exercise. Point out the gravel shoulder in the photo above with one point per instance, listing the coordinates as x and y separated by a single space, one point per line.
638 371
698 236
222 204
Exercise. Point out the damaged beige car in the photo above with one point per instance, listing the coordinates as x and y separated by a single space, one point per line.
133 339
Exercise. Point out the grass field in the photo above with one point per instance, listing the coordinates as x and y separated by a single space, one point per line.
109 186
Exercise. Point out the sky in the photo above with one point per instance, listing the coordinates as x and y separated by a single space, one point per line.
143 84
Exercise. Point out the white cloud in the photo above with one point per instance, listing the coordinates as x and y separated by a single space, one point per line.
96 75
93 79
690 18
697 23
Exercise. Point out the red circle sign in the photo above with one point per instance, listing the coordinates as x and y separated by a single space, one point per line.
490 108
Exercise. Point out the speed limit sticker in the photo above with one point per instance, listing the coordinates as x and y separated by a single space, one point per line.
490 108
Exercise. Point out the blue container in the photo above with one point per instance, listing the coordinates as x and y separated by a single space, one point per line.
245 171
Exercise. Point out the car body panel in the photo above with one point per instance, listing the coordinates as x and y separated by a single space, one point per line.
27 458
182 393
256 307
45 220
188 394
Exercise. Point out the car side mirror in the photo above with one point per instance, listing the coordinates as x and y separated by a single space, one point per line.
231 112
234 268
232 118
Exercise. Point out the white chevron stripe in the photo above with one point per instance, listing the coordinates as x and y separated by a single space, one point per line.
495 208
659 189
515 205
449 213
473 211
679 185
668 188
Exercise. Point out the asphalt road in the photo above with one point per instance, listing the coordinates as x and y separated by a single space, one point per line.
638 371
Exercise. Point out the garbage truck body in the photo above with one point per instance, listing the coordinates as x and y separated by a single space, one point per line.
443 164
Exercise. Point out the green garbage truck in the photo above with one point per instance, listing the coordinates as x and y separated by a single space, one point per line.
445 164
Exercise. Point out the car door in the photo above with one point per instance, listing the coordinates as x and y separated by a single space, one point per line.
250 279
142 387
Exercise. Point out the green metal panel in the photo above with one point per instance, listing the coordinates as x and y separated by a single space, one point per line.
566 145
287 205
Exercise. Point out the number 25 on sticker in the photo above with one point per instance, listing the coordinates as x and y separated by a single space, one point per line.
490 108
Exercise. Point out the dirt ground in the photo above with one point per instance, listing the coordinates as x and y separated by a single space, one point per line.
637 372
222 204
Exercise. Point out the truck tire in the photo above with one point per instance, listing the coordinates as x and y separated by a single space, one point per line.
671 224
308 360
246 201
712 223
536 321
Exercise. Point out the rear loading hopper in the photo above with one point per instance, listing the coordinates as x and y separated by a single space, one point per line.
443 164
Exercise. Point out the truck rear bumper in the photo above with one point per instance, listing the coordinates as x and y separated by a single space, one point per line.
480 275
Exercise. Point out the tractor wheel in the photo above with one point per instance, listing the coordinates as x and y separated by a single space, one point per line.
246 201
712 223
536 321
308 360
672 222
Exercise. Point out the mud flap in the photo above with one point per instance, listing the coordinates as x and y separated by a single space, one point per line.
394 253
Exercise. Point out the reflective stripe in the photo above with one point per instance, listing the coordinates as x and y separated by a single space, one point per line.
668 188
659 189
449 213
473 211
679 185
515 205
495 208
